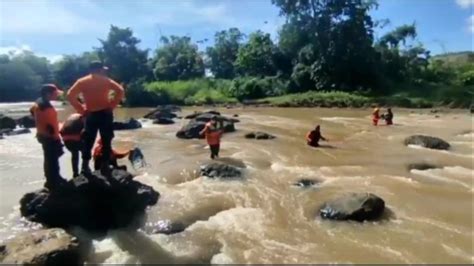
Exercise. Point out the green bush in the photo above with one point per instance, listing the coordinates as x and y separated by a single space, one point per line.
322 99
254 88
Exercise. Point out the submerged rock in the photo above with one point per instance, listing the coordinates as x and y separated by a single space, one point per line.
163 121
427 142
306 183
196 114
165 111
43 247
357 206
259 135
421 166
128 125
166 227
221 170
7 122
95 203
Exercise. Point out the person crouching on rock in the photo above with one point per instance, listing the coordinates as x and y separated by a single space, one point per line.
99 157
388 117
213 136
71 132
47 127
313 137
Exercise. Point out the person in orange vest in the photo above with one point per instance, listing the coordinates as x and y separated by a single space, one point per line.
47 133
213 137
376 116
71 132
99 156
313 137
97 110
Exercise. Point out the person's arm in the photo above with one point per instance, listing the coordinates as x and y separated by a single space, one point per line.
118 94
323 138
53 123
308 137
203 131
73 95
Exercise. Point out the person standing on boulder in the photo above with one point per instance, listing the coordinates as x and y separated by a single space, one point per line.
47 133
213 136
95 90
71 132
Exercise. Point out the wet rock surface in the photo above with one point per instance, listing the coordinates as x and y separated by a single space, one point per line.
259 135
43 247
128 125
220 170
356 206
198 122
427 142
95 203
7 122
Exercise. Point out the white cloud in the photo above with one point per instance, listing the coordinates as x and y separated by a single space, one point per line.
465 3
41 17
470 22
17 50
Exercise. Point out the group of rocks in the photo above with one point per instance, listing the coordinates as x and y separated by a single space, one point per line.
11 127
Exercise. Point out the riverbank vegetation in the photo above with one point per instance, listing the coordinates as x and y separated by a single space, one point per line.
325 54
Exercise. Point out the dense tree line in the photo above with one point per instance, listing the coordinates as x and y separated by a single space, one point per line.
324 45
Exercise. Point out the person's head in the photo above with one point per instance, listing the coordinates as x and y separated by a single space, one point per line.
389 110
317 128
214 119
97 67
50 92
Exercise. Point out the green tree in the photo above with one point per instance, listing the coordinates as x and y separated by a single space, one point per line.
70 68
121 54
224 53
18 82
257 56
178 59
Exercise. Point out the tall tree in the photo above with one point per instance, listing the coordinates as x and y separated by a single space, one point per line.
70 68
178 59
18 82
120 52
257 56
224 53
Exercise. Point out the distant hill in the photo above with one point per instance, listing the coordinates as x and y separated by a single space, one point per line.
457 58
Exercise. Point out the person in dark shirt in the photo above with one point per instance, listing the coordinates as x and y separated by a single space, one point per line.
313 137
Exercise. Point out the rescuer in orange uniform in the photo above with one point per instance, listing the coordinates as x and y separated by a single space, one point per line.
213 137
71 132
376 116
47 133
95 89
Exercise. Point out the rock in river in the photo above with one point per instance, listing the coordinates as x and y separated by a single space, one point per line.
259 135
26 121
128 125
192 129
427 142
221 170
163 121
95 203
357 206
7 122
42 247
306 183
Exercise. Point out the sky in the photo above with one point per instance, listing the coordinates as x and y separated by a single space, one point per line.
52 28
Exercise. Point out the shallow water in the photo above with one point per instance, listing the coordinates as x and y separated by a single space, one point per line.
264 219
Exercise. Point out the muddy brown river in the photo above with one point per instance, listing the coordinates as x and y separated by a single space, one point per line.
264 219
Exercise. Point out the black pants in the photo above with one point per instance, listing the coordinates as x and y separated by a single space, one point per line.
214 150
75 148
52 150
102 121
314 142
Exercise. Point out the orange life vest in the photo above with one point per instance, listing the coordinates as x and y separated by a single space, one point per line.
46 119
213 135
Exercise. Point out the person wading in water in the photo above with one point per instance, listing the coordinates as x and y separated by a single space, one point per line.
95 89
47 133
213 136
314 136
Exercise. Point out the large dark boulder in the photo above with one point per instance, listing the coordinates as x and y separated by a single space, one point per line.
194 127
221 171
166 111
26 122
259 135
357 206
196 114
427 142
95 203
43 247
163 121
128 125
7 122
